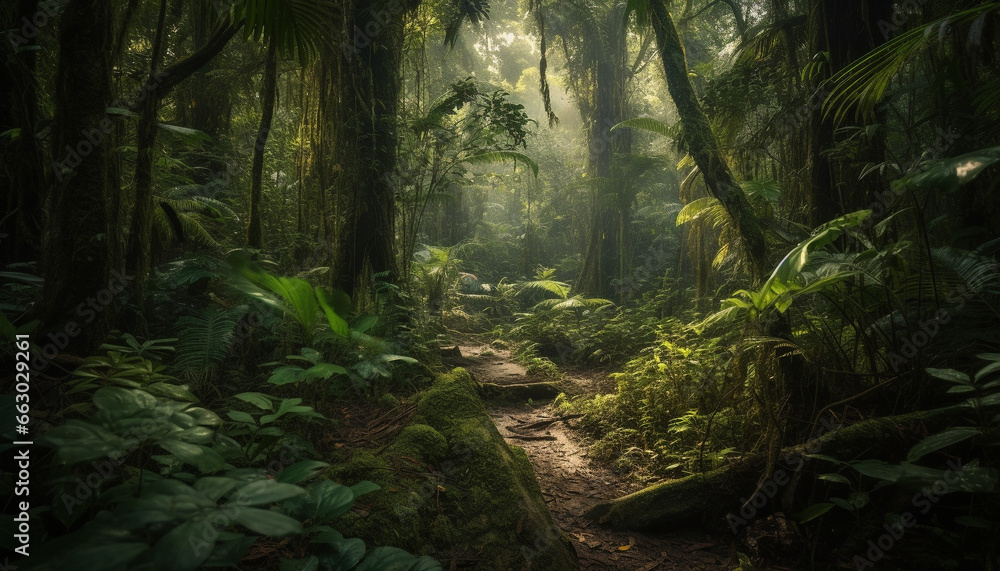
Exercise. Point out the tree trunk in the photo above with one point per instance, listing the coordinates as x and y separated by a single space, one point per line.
704 500
137 255
366 146
846 31
75 248
701 142
267 96
22 188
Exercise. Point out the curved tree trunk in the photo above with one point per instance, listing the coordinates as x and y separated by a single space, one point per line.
701 142
267 96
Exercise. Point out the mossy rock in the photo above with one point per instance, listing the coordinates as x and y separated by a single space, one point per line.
420 442
481 502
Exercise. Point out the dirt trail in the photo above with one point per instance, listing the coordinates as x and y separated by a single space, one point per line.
571 482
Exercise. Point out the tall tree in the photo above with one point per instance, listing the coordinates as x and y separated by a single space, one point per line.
841 33
366 145
75 249
701 141
267 96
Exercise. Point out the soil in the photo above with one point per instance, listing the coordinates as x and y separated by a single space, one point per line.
572 482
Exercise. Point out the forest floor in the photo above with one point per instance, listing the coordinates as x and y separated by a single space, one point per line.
571 482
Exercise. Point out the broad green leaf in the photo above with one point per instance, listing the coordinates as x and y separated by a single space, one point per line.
214 487
879 470
328 302
323 371
300 471
364 487
264 492
267 522
812 512
835 478
941 440
950 375
240 416
387 559
205 459
286 375
348 553
185 547
260 400
119 402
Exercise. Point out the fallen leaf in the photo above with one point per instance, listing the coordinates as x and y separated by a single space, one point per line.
520 526
624 547
581 538
338 445
697 546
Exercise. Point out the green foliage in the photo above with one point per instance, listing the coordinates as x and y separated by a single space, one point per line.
293 296
182 521
205 340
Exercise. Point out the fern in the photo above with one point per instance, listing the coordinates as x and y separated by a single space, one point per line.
205 340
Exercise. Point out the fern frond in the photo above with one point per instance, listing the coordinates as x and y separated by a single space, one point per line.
205 339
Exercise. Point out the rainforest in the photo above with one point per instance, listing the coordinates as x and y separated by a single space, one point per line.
427 285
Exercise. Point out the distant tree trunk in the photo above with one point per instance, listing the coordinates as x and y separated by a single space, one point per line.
22 186
605 255
137 255
701 142
75 248
267 96
367 141
846 31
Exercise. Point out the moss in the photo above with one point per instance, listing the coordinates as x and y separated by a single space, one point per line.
420 442
451 397
388 401
481 498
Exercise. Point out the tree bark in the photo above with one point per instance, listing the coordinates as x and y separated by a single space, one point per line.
22 187
366 146
703 500
267 96
75 261
846 31
701 142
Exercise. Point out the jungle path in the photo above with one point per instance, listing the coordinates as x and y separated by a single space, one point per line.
571 482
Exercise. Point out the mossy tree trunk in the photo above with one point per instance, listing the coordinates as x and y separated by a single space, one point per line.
367 141
705 500
701 142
